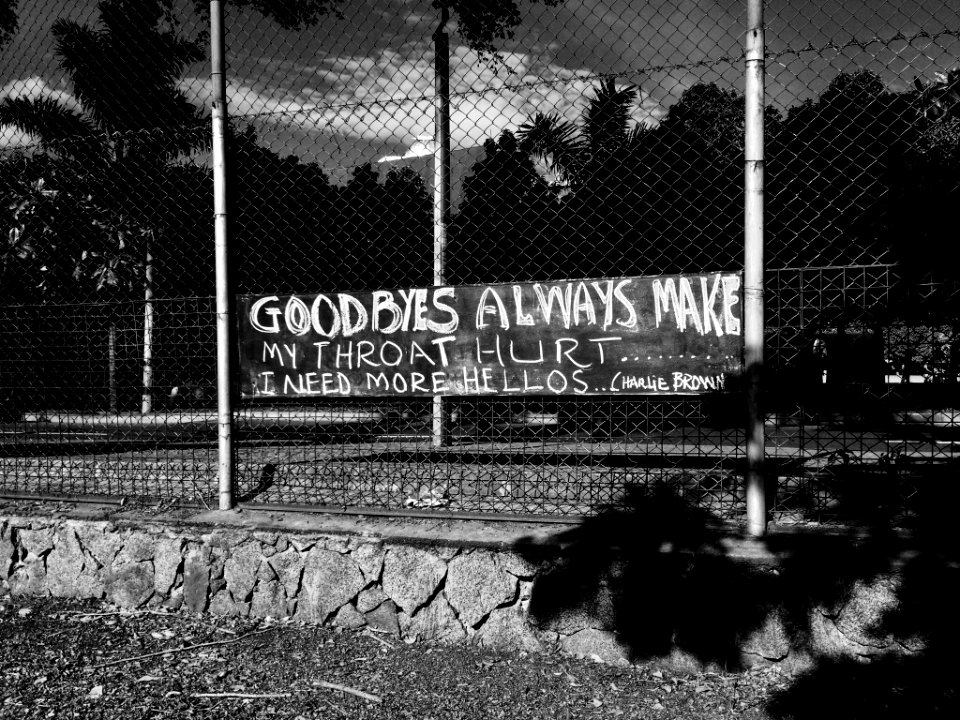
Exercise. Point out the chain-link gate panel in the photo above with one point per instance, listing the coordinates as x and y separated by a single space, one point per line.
588 140
107 341
861 148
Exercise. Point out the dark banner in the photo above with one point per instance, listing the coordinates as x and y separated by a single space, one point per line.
670 334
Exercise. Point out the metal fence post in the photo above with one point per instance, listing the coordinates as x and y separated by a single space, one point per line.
224 376
441 178
146 404
753 265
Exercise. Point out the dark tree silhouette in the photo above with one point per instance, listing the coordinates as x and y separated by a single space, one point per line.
502 231
830 202
131 121
384 230
8 20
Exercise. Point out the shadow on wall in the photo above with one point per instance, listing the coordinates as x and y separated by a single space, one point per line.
869 619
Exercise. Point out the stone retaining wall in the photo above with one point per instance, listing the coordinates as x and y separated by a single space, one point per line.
446 591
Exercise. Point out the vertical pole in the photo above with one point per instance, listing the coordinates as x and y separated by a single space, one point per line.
146 398
441 178
753 266
224 376
112 368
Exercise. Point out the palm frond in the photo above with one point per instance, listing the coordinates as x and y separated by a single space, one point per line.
55 126
554 141
607 120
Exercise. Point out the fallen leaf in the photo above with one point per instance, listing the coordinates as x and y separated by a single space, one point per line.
148 678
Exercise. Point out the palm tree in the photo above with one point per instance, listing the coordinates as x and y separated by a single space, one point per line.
124 74
940 99
130 120
577 154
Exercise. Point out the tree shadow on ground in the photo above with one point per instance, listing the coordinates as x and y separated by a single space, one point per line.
868 617
905 635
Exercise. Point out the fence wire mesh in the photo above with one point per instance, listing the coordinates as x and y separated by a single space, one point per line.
589 139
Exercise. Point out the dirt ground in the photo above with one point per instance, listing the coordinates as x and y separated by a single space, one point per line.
70 659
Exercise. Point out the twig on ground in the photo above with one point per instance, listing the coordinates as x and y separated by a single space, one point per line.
381 640
185 648
118 612
245 696
350 690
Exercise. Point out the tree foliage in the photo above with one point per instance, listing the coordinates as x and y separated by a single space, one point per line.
8 20
114 144
289 14
503 229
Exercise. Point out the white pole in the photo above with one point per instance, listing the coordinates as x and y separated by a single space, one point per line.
219 113
441 179
146 397
753 266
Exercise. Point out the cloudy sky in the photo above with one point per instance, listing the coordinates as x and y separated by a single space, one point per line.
358 87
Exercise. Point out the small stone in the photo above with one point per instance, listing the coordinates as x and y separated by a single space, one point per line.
384 618
370 598
223 604
348 617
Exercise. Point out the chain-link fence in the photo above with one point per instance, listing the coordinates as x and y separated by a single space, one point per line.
588 139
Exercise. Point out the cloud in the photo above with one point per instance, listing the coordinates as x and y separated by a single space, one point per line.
424 146
388 99
36 87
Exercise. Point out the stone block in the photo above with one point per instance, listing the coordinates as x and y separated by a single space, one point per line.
6 551
129 582
268 600
507 629
288 566
411 576
223 604
770 641
370 598
240 570
348 617
435 622
383 618
29 576
476 584
861 617
329 581
517 565
36 542
100 541
167 562
174 601
65 564
138 546
196 577
369 557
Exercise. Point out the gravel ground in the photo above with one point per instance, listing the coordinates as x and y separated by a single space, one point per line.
70 659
